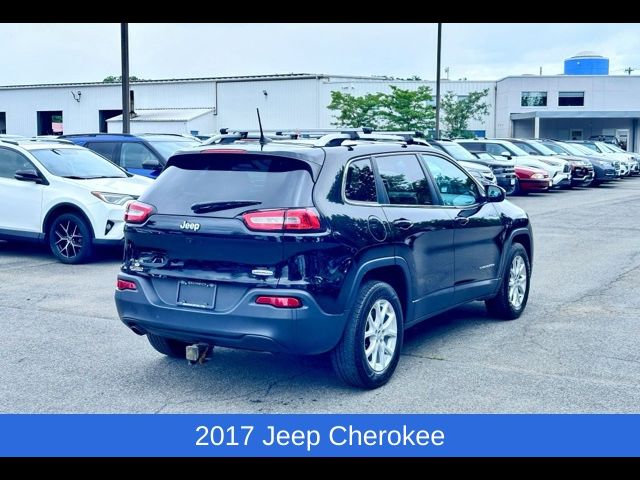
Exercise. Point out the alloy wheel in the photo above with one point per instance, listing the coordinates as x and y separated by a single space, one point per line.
380 335
68 239
517 281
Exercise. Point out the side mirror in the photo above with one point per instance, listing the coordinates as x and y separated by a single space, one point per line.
506 155
28 176
151 164
495 193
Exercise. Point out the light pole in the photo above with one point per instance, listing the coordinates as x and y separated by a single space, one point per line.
438 82
124 49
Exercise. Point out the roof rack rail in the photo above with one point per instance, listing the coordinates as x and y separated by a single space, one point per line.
49 140
70 135
319 137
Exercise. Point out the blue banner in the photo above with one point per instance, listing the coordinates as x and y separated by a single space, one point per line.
319 435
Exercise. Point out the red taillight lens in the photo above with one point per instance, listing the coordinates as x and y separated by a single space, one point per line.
301 219
279 302
125 285
137 212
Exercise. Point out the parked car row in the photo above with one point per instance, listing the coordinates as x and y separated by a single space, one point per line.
540 165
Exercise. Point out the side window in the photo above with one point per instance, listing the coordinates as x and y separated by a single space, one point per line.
106 149
496 149
360 184
475 146
134 154
456 188
11 162
404 180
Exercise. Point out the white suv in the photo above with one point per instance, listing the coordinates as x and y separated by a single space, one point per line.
65 195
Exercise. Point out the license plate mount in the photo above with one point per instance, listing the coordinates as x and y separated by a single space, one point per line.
196 294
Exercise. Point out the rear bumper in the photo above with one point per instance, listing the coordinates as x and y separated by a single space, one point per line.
247 325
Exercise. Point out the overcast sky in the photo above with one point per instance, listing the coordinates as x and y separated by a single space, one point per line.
52 53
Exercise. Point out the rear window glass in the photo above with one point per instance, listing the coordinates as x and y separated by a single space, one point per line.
270 181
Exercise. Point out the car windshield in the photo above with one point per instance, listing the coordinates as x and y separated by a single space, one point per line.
79 163
616 148
515 150
167 148
577 149
554 147
530 149
605 147
542 148
591 146
458 152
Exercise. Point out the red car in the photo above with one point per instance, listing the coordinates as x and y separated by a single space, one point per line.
531 180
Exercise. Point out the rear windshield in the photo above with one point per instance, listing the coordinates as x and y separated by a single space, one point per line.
269 181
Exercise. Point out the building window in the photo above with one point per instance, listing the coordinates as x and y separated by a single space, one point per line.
533 99
571 99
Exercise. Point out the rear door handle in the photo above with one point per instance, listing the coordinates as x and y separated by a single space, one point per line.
403 223
462 221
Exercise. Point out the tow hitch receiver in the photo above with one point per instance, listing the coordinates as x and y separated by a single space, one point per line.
198 353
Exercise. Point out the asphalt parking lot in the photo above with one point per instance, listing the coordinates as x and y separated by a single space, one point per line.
575 349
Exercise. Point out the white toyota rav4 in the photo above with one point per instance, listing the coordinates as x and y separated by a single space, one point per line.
64 195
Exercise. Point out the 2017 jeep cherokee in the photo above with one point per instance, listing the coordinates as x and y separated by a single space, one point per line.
298 248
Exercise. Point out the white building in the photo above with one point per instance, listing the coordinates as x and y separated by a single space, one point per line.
560 106
569 107
202 105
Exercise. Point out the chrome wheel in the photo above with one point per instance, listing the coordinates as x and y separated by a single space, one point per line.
380 335
68 239
517 282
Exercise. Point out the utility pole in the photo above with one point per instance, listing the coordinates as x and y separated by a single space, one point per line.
124 53
438 82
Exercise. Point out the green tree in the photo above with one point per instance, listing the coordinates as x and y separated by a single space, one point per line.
458 111
399 110
118 79
408 109
356 112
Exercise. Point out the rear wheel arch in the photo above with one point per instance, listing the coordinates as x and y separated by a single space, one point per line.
391 270
396 277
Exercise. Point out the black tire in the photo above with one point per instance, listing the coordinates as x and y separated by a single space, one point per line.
500 306
167 346
349 358
595 183
71 239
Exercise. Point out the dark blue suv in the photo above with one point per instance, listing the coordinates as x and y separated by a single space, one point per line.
144 154
294 247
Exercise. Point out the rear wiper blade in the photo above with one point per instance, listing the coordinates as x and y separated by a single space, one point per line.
217 206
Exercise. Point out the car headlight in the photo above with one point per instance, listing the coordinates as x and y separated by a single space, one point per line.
113 198
538 176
